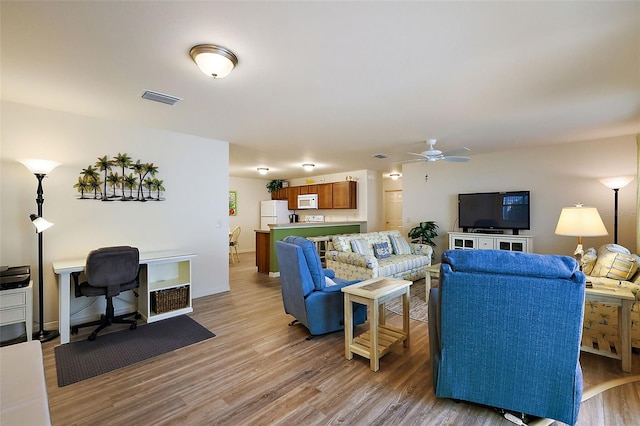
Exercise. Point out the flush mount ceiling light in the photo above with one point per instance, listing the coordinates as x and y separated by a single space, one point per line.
214 61
308 166
394 176
263 170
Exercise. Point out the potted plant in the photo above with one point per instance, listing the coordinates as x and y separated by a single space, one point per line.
424 233
275 185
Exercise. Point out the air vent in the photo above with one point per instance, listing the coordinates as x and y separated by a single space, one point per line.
160 97
380 156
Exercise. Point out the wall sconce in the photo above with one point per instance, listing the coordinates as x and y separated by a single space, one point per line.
41 168
263 170
395 176
214 61
616 183
308 167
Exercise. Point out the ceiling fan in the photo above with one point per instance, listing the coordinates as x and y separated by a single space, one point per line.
436 155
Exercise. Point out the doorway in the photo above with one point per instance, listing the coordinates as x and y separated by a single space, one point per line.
393 210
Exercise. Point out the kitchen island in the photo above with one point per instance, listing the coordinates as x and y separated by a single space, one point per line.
266 240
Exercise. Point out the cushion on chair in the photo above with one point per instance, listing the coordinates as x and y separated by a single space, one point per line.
113 268
312 258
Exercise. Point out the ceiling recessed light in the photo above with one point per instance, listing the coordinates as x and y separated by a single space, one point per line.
263 170
308 166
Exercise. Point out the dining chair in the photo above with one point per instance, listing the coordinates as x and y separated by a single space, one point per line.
233 244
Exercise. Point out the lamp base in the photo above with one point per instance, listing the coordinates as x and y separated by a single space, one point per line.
45 335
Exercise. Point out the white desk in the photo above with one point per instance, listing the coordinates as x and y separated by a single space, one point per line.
174 270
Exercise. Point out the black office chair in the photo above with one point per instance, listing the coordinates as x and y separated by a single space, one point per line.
109 271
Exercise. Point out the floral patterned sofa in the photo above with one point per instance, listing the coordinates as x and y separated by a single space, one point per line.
611 266
377 254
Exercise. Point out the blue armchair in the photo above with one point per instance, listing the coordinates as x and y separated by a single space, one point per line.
505 330
305 293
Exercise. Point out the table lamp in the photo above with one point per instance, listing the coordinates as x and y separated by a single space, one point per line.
580 221
41 168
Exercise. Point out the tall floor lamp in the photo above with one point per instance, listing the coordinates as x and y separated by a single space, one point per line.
580 221
41 168
616 183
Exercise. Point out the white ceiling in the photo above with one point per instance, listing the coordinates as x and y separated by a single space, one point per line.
333 83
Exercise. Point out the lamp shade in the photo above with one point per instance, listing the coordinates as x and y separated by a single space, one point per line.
580 221
616 182
214 61
40 223
39 167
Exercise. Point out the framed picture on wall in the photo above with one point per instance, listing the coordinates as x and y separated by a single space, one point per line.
233 203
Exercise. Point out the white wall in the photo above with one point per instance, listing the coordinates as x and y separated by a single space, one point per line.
557 176
250 193
195 174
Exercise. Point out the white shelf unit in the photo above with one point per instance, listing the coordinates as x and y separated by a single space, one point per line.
166 273
473 241
16 306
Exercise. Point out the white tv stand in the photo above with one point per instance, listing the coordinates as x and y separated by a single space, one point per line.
477 241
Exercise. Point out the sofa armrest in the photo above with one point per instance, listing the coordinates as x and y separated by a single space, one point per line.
423 249
365 261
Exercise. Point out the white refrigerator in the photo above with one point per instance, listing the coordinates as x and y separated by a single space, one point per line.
273 211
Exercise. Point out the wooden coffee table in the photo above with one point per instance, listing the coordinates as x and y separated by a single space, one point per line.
623 298
381 337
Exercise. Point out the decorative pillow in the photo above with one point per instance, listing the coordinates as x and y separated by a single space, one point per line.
614 262
329 282
400 245
381 250
361 247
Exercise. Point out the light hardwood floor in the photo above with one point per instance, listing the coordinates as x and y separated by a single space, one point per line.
259 371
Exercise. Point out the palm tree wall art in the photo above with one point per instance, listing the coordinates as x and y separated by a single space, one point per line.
140 176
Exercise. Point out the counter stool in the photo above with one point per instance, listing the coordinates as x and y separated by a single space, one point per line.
322 244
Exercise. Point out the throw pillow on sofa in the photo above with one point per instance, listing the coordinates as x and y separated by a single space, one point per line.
616 262
400 245
360 246
381 250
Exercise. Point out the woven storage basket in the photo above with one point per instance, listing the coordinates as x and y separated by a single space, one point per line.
170 299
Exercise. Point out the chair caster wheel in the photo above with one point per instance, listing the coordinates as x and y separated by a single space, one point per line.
133 326
92 336
74 330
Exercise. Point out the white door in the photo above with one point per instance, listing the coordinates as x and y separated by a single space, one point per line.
393 210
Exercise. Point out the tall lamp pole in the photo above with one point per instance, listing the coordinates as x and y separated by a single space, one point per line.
616 183
40 168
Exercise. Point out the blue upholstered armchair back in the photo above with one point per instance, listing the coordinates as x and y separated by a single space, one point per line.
508 331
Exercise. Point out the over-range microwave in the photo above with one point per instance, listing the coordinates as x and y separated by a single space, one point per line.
308 201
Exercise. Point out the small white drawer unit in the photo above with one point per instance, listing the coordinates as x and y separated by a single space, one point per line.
16 306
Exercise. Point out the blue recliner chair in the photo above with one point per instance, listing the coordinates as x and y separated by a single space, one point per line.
505 330
305 294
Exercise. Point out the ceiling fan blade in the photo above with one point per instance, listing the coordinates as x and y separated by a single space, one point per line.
415 153
456 151
456 159
410 161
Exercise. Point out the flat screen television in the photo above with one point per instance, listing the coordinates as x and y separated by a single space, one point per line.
489 211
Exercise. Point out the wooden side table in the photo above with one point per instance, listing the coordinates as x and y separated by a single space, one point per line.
16 306
381 337
432 272
623 298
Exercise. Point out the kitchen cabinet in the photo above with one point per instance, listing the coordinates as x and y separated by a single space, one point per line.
293 197
344 195
280 194
325 196
308 189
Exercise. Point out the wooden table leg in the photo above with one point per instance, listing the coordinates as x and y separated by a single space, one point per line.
405 317
624 326
374 359
348 326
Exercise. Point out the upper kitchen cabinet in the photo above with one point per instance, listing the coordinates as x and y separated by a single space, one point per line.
280 194
325 196
293 197
308 189
345 195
